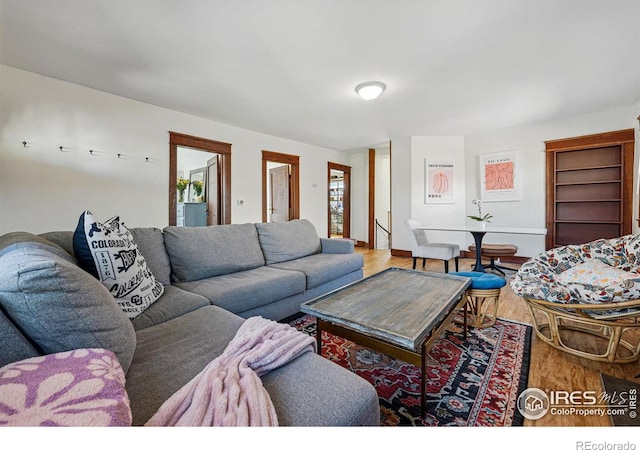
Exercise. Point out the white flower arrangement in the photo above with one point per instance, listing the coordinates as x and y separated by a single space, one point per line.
480 217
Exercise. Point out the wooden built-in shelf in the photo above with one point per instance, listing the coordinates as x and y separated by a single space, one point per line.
589 182
608 166
590 201
589 187
589 221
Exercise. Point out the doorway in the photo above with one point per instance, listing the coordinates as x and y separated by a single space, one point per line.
203 168
279 192
339 212
380 230
191 171
280 187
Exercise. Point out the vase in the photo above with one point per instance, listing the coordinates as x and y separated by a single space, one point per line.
482 225
180 196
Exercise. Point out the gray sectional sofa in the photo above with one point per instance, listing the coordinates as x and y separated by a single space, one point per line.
213 278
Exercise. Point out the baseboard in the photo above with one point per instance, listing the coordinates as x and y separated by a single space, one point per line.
402 253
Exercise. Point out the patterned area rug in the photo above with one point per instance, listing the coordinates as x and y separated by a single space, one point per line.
472 382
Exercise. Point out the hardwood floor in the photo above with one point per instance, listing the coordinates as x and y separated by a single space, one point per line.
550 369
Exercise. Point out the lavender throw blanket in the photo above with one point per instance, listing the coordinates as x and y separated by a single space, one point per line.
228 391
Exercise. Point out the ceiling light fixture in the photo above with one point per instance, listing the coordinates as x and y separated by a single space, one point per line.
370 89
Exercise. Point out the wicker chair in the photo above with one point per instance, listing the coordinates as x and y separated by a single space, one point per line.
593 289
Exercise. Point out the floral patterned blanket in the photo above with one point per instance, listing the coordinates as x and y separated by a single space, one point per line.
544 277
76 388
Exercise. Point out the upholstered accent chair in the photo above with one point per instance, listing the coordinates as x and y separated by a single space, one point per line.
422 248
592 289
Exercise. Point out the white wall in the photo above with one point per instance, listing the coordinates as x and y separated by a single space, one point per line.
636 125
383 194
401 191
528 142
438 148
43 189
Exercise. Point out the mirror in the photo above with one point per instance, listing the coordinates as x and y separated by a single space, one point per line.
196 185
191 167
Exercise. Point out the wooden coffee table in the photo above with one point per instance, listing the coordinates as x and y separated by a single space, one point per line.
398 312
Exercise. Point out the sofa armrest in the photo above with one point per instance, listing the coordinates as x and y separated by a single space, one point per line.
337 245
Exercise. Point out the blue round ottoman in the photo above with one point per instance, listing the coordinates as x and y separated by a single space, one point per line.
483 295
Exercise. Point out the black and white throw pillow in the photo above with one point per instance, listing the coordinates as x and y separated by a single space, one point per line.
108 252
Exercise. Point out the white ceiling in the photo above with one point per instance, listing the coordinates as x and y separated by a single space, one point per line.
289 67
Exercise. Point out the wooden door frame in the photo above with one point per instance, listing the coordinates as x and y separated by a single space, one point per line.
346 201
206 145
294 162
372 199
208 187
621 138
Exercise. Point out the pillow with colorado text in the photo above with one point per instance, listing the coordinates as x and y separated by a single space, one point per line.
108 252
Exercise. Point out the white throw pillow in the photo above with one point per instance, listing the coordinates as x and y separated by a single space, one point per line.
596 273
108 252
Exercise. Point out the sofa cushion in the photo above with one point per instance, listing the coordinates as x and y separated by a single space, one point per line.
313 391
172 303
19 239
170 354
309 391
61 307
284 241
150 242
539 277
337 245
109 252
596 273
62 238
249 289
15 345
323 267
203 252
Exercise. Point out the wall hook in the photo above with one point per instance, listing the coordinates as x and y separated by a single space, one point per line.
25 144
91 152
61 148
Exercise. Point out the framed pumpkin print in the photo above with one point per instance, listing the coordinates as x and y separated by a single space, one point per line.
439 185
